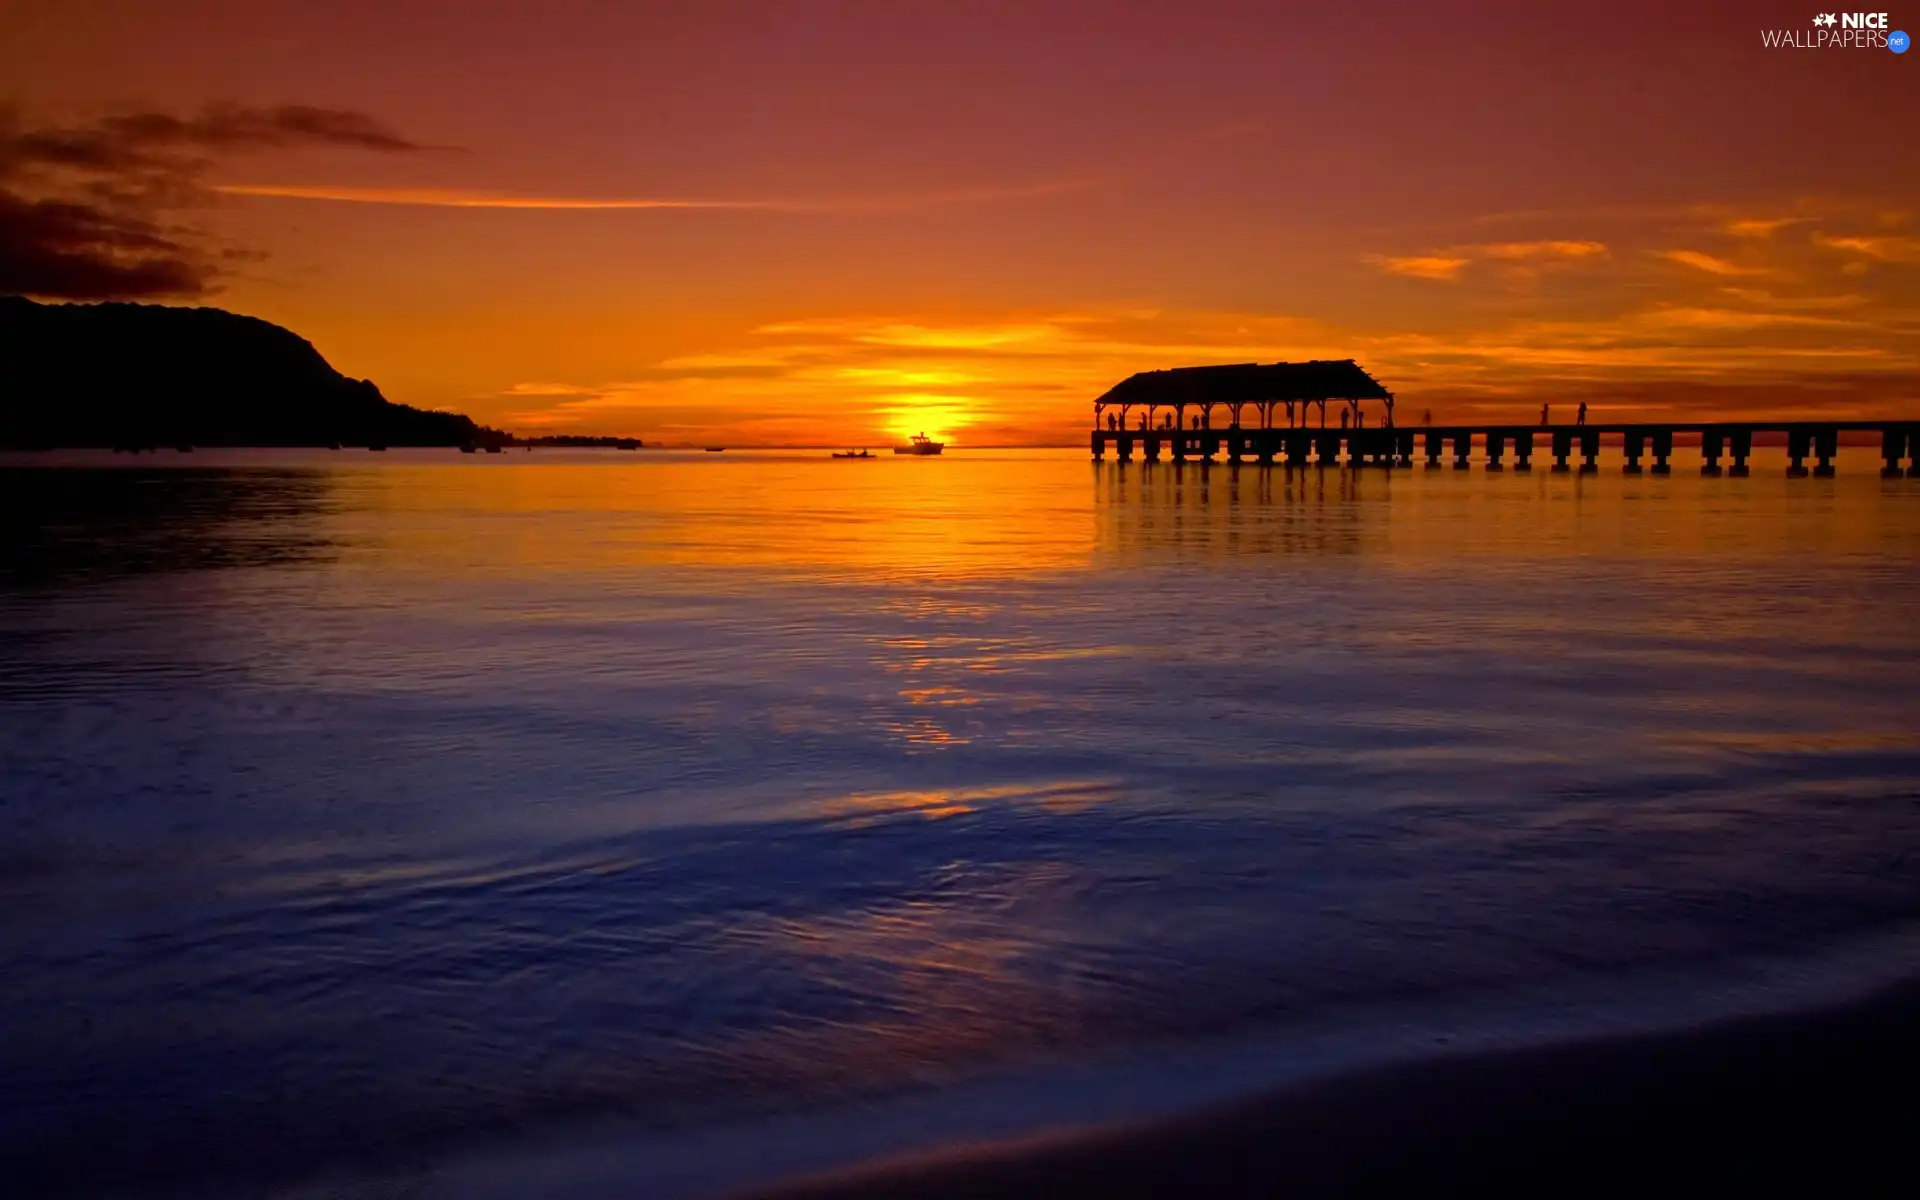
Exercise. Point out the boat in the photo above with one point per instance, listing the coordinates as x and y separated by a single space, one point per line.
852 454
715 449
920 443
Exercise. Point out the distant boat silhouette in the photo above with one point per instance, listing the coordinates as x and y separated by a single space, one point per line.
715 449
852 454
920 444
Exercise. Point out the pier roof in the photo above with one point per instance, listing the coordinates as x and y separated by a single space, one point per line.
1248 383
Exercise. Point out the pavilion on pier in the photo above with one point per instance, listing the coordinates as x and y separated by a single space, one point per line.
1280 395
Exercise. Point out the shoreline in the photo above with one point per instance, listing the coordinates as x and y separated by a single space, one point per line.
1321 1091
1822 1100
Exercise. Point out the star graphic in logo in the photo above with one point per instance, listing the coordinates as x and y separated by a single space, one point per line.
1827 19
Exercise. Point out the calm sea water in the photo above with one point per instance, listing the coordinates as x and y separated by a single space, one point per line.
361 807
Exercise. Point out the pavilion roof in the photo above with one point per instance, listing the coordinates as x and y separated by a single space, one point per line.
1248 383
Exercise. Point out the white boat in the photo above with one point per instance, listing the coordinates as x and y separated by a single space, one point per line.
920 444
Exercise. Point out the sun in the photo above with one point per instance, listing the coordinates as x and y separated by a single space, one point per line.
941 418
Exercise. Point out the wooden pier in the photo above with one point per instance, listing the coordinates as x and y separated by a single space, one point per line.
1172 414
1724 446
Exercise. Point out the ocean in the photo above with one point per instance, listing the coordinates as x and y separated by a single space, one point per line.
450 820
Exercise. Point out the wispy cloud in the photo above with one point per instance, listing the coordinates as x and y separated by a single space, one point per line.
464 198
1522 259
1759 227
1886 249
1512 251
1701 261
1420 266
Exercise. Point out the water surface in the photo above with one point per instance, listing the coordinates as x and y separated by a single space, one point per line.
374 806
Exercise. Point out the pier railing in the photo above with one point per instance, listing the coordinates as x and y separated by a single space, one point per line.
1644 447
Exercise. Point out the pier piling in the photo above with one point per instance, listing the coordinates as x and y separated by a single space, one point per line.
1826 443
1662 450
1798 443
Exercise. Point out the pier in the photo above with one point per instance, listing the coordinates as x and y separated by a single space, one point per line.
1173 414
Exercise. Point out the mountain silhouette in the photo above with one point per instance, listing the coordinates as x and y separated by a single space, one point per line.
142 375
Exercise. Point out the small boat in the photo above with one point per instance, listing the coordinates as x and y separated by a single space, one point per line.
715 449
920 444
852 454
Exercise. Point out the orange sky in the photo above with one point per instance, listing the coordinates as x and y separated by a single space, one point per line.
831 222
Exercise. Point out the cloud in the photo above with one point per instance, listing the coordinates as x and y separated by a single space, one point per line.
1758 227
1706 262
1886 249
82 207
465 198
1511 251
1448 264
79 252
1422 266
1775 301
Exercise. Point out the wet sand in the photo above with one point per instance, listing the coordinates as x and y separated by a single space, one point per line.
1819 1103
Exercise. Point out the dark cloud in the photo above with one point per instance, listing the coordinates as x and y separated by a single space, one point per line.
81 206
81 252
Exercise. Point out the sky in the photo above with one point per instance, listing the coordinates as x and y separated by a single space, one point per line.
840 222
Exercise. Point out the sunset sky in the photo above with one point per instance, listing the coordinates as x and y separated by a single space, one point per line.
825 222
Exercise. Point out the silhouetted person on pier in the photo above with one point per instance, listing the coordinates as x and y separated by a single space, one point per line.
1543 415
1581 417
1289 414
1343 418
